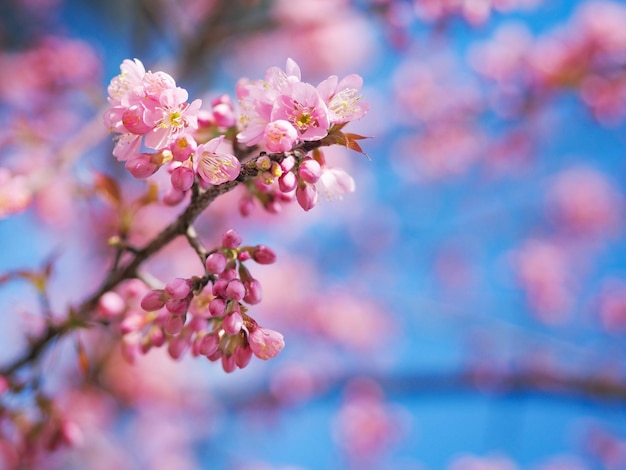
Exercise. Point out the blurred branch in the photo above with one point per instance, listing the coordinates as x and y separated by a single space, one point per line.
552 385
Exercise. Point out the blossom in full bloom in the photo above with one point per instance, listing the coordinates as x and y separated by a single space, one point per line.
343 98
304 108
147 107
213 167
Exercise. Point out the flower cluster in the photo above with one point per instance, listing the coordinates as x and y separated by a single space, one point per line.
149 111
282 111
206 314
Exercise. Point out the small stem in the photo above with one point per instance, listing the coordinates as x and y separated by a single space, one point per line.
194 242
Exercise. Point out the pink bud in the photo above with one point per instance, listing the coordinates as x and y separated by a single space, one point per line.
132 118
141 166
153 300
174 324
228 274
235 290
288 163
111 305
233 323
178 288
177 306
157 337
173 197
287 182
209 345
182 178
197 324
280 136
132 322
178 345
183 147
243 256
265 343
310 170
130 346
263 255
217 307
231 239
246 205
254 292
219 287
307 196
215 263
228 363
243 354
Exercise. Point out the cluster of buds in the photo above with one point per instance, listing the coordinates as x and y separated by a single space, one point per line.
206 315
302 179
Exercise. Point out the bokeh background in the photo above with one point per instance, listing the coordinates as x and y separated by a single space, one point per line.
464 309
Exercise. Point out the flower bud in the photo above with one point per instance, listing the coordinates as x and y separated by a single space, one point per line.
233 323
228 363
217 307
209 345
111 305
153 300
173 197
178 345
132 322
219 287
231 239
243 354
178 288
141 166
265 343
133 121
182 178
174 324
246 205
235 290
254 292
287 182
183 147
177 306
263 255
307 196
288 163
310 170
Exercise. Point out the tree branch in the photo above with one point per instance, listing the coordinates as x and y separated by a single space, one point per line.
199 202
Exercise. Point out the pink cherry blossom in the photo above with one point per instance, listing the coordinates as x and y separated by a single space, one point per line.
125 87
280 136
343 98
304 108
265 343
216 168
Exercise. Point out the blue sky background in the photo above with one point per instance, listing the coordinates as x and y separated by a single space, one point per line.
436 329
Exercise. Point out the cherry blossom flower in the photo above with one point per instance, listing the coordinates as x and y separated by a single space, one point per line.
213 167
265 343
